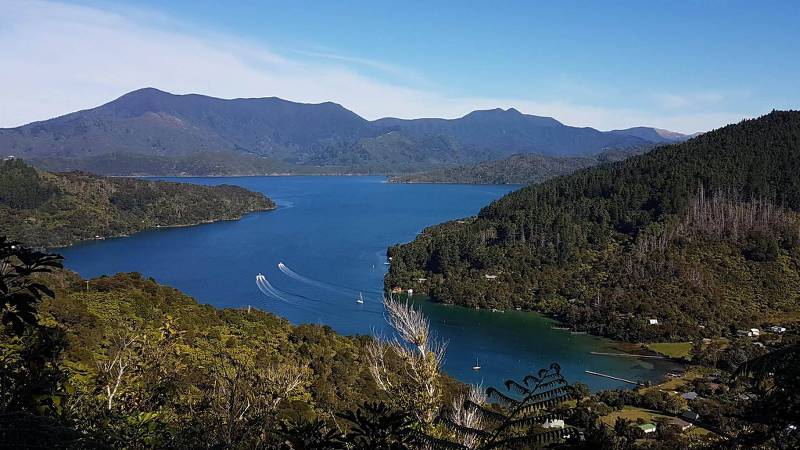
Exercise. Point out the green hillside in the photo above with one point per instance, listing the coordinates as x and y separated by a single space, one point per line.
52 209
516 169
703 236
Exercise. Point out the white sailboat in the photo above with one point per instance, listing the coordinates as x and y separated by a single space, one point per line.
360 299
477 365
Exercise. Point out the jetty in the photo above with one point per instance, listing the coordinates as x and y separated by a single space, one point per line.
629 355
598 374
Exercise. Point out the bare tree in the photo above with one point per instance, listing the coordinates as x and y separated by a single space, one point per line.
462 415
417 385
116 370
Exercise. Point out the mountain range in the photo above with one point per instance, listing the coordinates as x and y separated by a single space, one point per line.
149 131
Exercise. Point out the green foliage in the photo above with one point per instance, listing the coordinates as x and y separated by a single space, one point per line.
515 169
46 209
21 187
20 292
608 247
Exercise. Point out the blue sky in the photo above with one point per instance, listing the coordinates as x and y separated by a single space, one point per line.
687 66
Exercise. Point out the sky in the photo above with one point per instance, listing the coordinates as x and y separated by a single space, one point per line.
681 65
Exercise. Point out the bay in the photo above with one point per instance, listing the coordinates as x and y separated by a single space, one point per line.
331 233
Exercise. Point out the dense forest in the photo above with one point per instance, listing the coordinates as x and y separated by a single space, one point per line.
54 209
123 362
516 169
702 237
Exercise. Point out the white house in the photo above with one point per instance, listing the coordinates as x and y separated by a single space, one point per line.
755 332
554 423
490 277
777 329
653 322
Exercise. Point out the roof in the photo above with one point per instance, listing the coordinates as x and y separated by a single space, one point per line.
647 427
690 395
691 415
680 423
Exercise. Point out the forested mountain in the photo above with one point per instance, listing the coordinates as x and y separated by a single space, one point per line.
154 132
515 169
52 209
703 237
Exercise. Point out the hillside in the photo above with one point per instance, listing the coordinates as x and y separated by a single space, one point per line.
54 209
154 132
515 169
703 236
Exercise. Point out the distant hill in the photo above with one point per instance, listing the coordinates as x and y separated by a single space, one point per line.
154 132
515 169
656 135
702 237
54 209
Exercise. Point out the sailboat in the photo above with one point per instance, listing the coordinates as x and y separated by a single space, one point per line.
360 299
477 365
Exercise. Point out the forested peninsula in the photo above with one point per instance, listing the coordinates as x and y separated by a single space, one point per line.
516 169
697 239
56 209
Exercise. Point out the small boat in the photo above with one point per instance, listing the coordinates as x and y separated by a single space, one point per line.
360 299
477 366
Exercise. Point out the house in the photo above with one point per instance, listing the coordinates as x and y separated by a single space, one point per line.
410 292
755 332
776 329
648 428
690 395
421 280
652 322
490 277
397 290
554 423
681 424
690 416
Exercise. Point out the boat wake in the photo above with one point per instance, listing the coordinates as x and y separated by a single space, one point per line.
338 288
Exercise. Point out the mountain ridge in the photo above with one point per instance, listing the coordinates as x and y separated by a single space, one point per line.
156 124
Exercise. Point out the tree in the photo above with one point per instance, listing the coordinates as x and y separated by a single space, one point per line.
20 291
416 386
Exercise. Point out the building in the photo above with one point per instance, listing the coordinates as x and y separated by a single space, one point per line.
652 322
490 277
690 416
554 423
680 423
690 395
648 428
777 329
755 332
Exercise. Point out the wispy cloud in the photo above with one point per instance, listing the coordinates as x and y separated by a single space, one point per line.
58 58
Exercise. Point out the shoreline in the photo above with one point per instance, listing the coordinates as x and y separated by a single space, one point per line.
158 227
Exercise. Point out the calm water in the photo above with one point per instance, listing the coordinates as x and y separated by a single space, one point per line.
334 232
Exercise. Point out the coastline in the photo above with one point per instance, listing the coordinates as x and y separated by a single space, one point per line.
157 227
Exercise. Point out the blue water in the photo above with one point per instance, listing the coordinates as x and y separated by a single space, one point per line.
335 230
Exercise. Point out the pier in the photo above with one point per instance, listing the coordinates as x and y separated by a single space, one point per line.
598 374
629 355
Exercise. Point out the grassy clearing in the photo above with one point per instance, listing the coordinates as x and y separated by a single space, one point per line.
678 350
632 413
